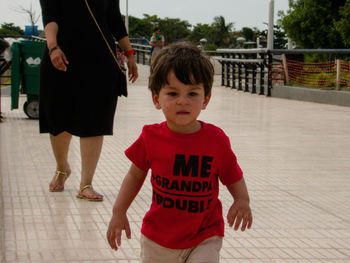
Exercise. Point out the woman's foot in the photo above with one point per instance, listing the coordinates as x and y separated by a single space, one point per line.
87 192
60 177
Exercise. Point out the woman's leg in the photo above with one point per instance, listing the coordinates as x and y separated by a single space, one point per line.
90 148
60 147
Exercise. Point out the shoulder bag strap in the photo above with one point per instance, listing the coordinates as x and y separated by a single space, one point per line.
110 49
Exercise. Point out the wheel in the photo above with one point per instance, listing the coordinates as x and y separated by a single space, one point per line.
31 109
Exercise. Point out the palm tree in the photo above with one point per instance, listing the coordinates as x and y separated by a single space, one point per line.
222 31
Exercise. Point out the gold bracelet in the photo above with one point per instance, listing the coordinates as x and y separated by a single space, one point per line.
52 49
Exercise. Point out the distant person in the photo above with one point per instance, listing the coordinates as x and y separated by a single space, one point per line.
80 82
187 158
157 42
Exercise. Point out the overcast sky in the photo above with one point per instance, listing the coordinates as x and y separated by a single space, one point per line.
249 13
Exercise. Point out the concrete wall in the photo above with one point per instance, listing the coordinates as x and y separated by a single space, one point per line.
341 98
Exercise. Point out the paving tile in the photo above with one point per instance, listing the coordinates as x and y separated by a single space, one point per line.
295 158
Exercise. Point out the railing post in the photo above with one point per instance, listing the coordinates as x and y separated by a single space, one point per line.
262 76
254 78
285 67
245 74
228 73
234 86
140 52
269 78
337 61
222 71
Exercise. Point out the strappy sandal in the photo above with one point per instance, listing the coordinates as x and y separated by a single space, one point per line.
81 196
55 180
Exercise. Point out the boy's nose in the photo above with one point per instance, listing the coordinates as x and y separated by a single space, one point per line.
182 100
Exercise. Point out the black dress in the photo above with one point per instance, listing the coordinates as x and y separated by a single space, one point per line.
82 100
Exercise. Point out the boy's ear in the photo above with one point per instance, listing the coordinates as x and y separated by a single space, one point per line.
155 98
206 101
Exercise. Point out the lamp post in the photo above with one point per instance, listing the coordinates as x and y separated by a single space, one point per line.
203 43
270 26
127 17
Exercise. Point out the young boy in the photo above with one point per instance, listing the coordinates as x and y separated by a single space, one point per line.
187 158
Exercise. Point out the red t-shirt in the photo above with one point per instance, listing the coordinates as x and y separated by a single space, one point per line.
185 208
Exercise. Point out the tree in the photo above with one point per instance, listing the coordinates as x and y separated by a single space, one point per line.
200 31
279 37
10 29
312 23
140 27
174 29
222 31
343 25
250 34
32 15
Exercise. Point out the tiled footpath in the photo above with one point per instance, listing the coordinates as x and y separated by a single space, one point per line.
295 156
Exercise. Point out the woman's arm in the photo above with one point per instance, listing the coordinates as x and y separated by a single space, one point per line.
115 20
125 45
58 58
51 30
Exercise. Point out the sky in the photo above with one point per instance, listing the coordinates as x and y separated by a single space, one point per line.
243 13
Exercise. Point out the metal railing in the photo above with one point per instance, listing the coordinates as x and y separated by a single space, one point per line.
246 69
142 53
250 69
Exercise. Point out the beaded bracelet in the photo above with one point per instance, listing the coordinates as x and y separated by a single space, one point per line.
129 52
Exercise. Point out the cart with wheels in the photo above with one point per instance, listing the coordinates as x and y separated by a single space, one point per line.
26 59
4 66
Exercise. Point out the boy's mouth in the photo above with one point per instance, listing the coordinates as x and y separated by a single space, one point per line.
182 112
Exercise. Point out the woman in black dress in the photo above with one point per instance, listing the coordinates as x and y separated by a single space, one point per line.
80 82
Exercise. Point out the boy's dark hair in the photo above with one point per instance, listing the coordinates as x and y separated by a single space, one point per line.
188 63
156 29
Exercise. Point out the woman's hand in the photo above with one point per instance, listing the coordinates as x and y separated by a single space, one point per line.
132 69
58 59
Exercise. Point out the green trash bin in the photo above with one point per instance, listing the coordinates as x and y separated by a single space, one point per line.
26 59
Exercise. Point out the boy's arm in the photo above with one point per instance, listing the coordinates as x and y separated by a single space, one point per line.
129 189
240 211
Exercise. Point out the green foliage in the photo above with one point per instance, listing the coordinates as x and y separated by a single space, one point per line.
211 46
310 58
280 39
313 23
222 32
249 34
202 31
218 34
138 27
174 29
343 24
325 80
10 29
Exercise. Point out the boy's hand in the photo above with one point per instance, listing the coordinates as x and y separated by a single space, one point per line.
240 213
115 228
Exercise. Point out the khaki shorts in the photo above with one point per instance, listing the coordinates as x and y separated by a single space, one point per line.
206 252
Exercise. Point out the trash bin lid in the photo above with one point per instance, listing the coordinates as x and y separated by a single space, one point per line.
3 45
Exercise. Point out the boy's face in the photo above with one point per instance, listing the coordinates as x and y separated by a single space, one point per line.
181 104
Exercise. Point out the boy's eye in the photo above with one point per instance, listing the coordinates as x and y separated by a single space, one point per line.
172 93
193 94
